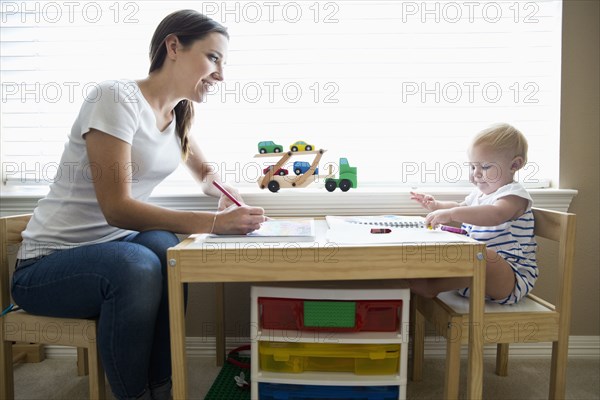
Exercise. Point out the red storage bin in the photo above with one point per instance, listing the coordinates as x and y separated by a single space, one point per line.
368 315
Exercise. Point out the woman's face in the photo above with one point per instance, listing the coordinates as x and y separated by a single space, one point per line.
200 65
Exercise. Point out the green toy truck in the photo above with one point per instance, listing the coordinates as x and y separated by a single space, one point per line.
346 180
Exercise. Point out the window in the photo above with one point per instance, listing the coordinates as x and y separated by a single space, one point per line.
396 87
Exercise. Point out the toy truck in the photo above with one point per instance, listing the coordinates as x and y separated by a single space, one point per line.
274 181
347 178
275 176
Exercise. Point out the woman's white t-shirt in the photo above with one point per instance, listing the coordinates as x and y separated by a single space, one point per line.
70 216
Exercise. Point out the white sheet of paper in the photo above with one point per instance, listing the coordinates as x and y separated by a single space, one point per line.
351 233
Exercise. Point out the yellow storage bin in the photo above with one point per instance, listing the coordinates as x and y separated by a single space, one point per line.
361 359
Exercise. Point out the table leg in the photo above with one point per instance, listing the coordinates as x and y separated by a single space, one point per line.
220 318
476 307
177 326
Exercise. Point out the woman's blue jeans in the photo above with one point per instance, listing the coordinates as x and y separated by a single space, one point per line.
122 283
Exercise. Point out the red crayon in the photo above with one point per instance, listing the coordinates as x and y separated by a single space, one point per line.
226 193
453 229
381 230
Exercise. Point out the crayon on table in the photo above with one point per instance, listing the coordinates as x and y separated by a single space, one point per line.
453 229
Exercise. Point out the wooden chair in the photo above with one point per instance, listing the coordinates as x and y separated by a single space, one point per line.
20 326
531 320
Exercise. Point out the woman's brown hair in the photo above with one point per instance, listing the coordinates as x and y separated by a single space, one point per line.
188 26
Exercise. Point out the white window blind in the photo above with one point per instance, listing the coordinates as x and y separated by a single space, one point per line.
396 87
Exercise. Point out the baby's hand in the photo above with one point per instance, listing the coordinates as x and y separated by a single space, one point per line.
438 217
427 201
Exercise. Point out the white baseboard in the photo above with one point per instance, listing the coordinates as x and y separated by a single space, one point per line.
580 347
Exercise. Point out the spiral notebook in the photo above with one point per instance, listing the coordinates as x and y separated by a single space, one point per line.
402 229
383 221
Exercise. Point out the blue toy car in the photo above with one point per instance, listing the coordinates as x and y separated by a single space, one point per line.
301 167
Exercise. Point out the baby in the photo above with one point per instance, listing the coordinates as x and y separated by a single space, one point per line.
498 212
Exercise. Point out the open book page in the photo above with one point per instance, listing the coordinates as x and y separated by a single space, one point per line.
273 230
402 229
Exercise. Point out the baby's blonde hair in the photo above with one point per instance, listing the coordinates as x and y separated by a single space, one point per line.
503 137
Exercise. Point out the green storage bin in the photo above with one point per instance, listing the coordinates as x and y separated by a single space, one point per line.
329 314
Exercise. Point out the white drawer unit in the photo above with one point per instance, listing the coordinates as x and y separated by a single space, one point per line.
339 340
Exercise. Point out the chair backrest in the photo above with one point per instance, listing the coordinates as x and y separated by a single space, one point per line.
10 239
559 227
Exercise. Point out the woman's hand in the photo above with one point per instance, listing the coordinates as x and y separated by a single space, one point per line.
236 220
225 202
425 200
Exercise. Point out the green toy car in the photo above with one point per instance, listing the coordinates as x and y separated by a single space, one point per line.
268 146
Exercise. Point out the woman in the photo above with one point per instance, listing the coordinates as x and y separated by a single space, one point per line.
95 247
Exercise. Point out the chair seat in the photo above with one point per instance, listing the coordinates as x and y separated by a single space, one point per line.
21 326
460 304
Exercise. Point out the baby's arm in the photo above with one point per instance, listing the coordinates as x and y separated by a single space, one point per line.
428 202
504 209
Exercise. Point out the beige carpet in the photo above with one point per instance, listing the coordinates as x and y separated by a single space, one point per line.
528 379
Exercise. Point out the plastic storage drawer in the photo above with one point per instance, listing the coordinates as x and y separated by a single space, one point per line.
330 315
275 391
361 359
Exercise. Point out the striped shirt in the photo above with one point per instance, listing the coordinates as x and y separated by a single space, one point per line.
513 240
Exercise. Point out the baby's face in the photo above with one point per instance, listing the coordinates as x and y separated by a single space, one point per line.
490 169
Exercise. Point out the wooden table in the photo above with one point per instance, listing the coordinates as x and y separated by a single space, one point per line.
193 261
